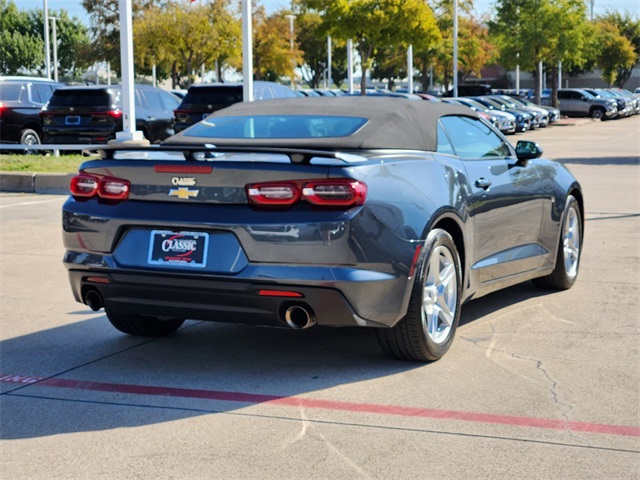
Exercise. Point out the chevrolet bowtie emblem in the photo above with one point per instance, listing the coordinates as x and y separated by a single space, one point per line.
183 193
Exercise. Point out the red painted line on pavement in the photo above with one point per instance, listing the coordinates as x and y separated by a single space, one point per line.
254 398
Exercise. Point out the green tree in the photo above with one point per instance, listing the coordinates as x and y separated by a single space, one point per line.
180 37
21 51
629 27
615 52
377 24
529 32
22 41
475 49
104 17
272 54
313 44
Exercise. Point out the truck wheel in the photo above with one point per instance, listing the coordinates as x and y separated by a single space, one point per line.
29 137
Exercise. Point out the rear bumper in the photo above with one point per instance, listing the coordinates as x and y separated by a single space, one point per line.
336 296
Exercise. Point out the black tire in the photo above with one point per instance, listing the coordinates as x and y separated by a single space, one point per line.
597 113
415 338
29 137
565 273
143 325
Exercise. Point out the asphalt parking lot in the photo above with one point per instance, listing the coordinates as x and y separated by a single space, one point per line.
537 384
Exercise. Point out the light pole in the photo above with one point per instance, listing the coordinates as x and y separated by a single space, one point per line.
410 69
518 75
47 58
455 48
350 64
55 49
329 62
129 134
293 63
247 52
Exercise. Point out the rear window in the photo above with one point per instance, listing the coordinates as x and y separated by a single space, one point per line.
217 96
10 91
276 126
82 98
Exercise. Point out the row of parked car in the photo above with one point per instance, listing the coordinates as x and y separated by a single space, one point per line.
36 110
598 103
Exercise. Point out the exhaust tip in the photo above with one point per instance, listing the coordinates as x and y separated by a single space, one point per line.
93 300
299 317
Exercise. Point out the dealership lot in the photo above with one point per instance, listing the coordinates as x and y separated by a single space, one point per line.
537 385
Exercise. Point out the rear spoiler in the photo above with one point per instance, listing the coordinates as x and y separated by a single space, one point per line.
209 152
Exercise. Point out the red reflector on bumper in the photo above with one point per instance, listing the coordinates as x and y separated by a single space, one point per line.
98 280
279 293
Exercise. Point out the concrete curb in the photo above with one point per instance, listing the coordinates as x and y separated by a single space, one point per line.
41 183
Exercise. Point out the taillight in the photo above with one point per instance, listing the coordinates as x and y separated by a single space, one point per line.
115 114
47 117
84 185
339 192
281 194
182 115
1 109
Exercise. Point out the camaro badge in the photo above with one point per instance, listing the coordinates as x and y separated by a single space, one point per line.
183 193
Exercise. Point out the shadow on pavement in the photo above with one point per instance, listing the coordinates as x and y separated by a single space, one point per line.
258 362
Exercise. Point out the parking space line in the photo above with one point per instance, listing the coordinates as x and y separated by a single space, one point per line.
35 202
379 409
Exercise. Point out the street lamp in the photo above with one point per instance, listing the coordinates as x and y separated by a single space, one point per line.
47 58
247 52
455 48
293 66
54 30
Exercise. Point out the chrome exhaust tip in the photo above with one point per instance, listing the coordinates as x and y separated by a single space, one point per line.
299 317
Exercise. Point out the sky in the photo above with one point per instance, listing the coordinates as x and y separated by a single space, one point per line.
74 7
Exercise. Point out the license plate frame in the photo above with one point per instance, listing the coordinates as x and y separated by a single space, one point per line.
178 248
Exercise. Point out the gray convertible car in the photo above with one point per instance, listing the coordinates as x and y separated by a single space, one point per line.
373 212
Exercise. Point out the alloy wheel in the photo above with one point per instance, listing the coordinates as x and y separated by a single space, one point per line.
440 295
571 242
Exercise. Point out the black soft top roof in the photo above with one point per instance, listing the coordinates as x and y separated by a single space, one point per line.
393 123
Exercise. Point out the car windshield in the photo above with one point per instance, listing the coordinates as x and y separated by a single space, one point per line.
473 103
75 98
224 95
276 126
10 91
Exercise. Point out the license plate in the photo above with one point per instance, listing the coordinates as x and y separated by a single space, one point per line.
185 249
72 120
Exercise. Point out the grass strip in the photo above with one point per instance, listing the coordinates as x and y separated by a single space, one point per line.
41 163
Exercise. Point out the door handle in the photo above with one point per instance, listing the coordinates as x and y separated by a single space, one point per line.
483 183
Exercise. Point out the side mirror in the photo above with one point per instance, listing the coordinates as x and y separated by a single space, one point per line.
526 150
